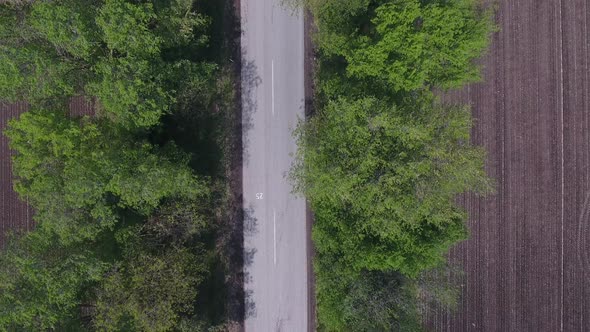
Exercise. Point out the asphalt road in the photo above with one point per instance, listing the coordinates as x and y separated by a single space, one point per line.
275 246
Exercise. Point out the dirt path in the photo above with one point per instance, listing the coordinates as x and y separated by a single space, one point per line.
526 263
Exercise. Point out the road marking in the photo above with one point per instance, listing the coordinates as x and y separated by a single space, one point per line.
274 235
272 88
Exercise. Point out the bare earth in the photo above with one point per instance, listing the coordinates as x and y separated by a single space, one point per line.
526 263
14 214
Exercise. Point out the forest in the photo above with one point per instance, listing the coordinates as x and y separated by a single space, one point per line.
129 197
382 159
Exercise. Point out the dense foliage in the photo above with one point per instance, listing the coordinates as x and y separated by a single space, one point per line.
113 50
383 160
382 180
77 175
41 281
142 277
124 236
405 44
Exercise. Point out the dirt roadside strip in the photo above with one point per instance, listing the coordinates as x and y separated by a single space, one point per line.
309 63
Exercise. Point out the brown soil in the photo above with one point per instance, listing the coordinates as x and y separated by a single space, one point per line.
14 214
526 263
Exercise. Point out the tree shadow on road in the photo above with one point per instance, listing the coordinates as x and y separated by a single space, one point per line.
250 80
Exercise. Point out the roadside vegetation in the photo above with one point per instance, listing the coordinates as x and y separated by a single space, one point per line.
129 196
382 160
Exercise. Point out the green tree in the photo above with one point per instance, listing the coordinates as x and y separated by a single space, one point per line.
179 24
67 26
113 50
382 162
125 30
123 236
40 46
78 174
406 44
375 301
381 301
149 292
177 222
131 91
33 74
382 181
142 277
42 282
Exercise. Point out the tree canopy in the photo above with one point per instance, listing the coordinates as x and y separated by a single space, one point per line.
382 180
42 281
113 50
124 236
382 160
148 292
140 277
406 44
77 174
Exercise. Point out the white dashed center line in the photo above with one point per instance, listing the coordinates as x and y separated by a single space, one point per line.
272 88
274 235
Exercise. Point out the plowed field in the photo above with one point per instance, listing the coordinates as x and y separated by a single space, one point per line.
14 214
527 265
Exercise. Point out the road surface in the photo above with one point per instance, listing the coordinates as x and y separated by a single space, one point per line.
275 246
